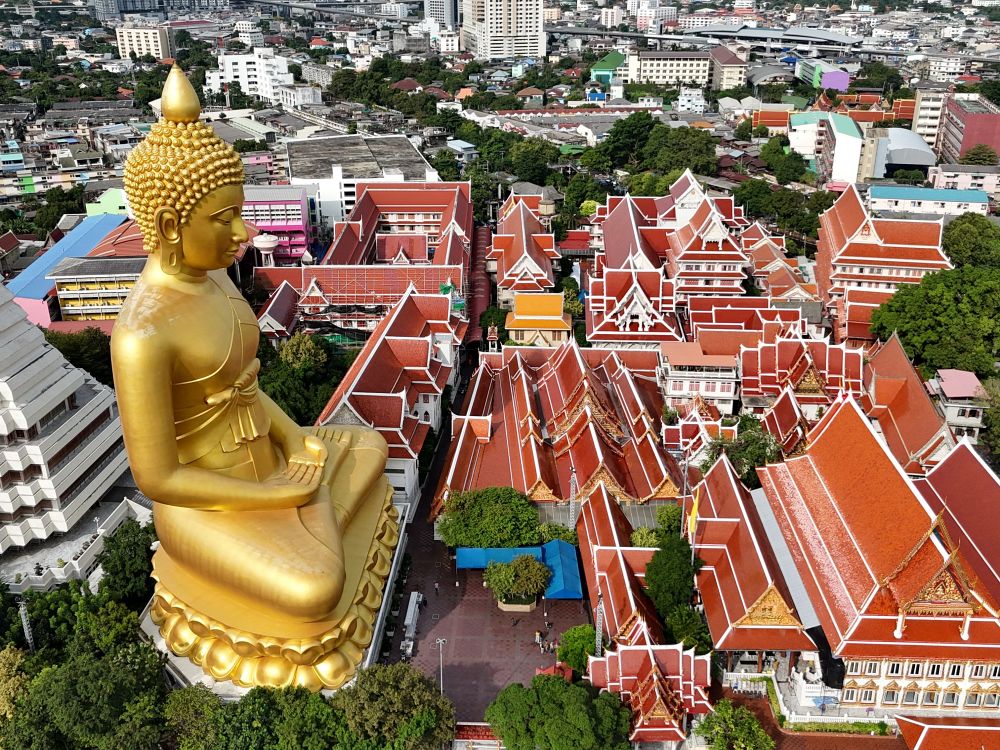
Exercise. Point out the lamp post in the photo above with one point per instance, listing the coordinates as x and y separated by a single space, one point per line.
440 644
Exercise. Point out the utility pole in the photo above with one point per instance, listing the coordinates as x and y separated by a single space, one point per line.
440 644
572 497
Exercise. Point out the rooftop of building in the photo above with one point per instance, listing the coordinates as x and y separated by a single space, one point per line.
969 168
360 156
960 384
907 193
976 106
90 266
609 62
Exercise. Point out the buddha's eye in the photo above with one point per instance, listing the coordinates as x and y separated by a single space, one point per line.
225 217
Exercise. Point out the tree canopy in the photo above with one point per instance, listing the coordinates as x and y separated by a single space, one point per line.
731 727
524 577
396 703
575 645
302 374
490 517
753 446
950 319
552 714
89 349
972 240
980 154
670 575
127 563
669 148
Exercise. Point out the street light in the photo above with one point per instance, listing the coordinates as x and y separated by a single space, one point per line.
440 644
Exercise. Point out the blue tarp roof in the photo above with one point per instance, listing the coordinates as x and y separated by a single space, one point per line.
558 555
84 237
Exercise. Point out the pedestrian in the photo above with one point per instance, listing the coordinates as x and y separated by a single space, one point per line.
437 587
456 583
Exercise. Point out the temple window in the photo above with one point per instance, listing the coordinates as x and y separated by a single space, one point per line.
853 667
910 696
972 700
895 669
991 700
950 698
890 696
935 670
871 667
955 670
931 698
995 672
978 671
915 669
850 695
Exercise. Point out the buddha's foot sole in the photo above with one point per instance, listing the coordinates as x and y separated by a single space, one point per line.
251 660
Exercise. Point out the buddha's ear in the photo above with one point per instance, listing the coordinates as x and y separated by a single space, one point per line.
168 225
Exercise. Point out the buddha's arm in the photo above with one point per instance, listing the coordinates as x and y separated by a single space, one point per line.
142 381
283 430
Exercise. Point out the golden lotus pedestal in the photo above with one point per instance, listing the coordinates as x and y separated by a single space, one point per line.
201 624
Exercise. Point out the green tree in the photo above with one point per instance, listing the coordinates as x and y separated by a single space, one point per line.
89 349
552 714
688 627
575 645
445 165
307 721
13 680
731 727
761 131
790 168
627 138
550 531
670 148
596 161
494 316
245 145
645 537
530 159
588 207
191 714
980 154
303 354
249 723
908 176
972 240
490 517
127 564
524 577
581 188
744 131
989 437
753 446
389 700
669 518
949 319
755 196
670 575
104 630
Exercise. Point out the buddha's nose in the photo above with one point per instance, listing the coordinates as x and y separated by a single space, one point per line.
240 234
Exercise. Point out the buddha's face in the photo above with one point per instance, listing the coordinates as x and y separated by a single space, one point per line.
214 230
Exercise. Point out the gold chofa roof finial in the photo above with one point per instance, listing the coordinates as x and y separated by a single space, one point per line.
179 102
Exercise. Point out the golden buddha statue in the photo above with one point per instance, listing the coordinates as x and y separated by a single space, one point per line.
275 540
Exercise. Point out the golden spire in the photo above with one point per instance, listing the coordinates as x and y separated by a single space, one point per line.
179 102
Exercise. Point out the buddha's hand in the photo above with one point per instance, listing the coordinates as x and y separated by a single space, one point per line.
306 457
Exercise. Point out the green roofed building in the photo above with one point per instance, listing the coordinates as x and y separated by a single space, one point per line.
612 65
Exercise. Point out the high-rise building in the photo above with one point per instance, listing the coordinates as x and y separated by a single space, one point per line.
60 437
106 10
930 100
494 29
259 73
968 120
144 40
444 12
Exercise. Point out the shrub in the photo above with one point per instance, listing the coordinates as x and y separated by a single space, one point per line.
645 537
524 577
490 517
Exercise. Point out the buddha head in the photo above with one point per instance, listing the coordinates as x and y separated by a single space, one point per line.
184 186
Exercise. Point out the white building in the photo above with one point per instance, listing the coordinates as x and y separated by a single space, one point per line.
962 400
647 18
249 33
259 73
447 42
690 100
946 68
60 436
445 12
931 98
612 17
144 40
966 177
920 200
397 10
670 67
686 372
298 95
494 29
838 149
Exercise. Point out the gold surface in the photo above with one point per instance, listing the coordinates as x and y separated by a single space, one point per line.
275 540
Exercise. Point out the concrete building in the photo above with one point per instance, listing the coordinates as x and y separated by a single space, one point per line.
691 100
686 372
969 120
612 17
670 67
822 75
336 164
930 101
259 73
321 75
249 33
445 12
729 70
299 95
144 40
946 68
60 440
281 211
966 177
650 18
94 288
961 399
918 200
886 150
838 149
495 29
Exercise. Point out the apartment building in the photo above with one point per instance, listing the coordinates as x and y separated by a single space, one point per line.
283 212
686 372
838 149
729 70
930 101
651 17
612 17
298 95
495 29
822 75
144 40
445 12
259 73
946 68
933 201
94 288
962 400
670 67
968 120
966 177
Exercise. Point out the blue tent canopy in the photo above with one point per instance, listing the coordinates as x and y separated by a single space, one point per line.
558 555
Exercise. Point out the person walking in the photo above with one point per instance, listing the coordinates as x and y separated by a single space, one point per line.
437 587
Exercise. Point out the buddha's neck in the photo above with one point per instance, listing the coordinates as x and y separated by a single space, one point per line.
186 280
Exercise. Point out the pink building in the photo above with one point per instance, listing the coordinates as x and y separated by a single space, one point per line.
282 211
966 177
968 120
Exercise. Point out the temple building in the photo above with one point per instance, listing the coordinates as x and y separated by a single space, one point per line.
631 308
60 436
554 422
899 575
398 383
523 252
538 319
398 235
663 684
862 260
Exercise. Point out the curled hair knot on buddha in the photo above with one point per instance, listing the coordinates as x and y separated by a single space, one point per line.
181 161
